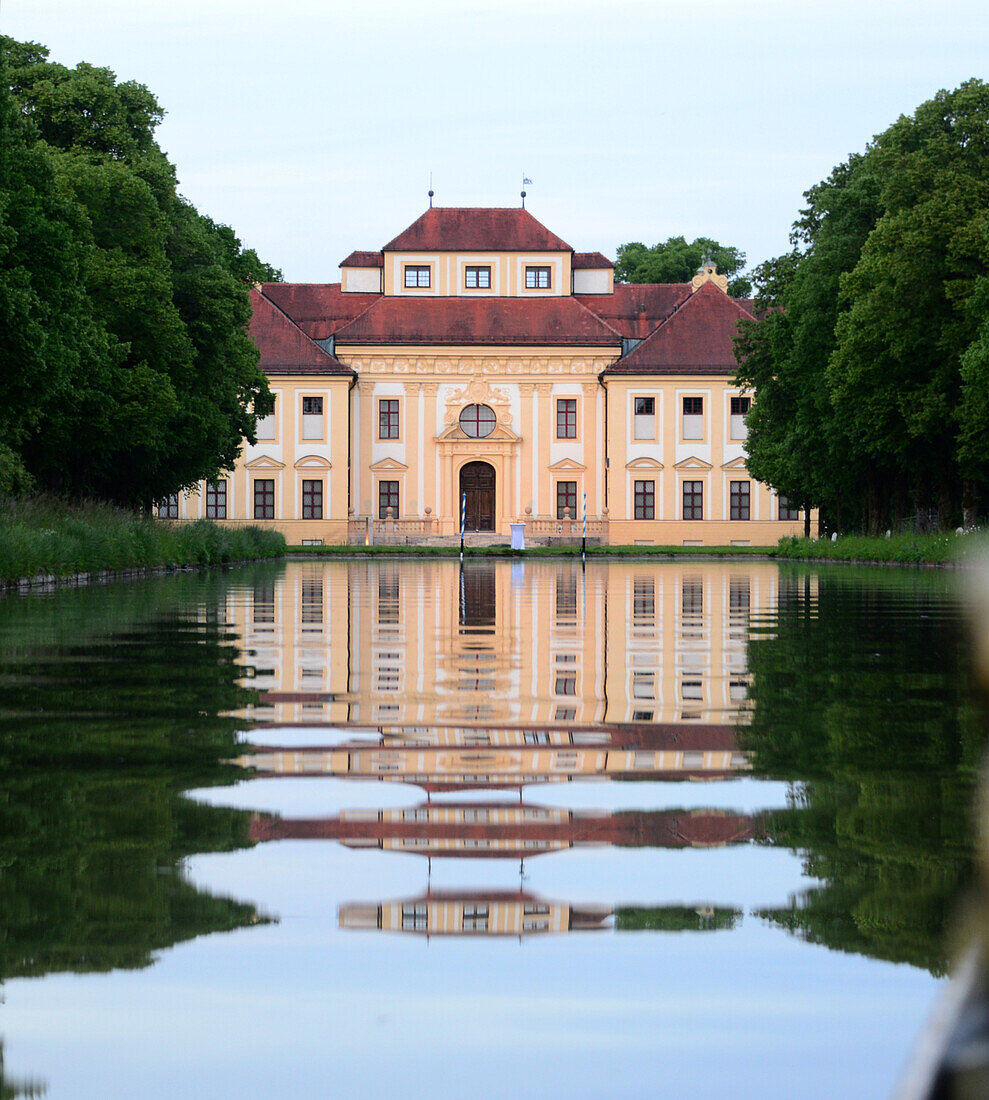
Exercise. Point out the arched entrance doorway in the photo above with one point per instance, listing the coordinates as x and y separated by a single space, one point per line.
477 483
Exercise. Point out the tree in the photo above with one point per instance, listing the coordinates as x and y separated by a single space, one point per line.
160 390
676 261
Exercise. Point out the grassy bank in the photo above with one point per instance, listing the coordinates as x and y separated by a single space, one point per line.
907 549
42 536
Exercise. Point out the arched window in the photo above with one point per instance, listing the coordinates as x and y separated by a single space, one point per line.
477 421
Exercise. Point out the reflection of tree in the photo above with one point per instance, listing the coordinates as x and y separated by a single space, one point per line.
12 1089
859 695
676 918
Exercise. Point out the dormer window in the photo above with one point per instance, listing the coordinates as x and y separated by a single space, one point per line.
477 278
416 276
537 278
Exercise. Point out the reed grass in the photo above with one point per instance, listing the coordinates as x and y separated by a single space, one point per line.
47 536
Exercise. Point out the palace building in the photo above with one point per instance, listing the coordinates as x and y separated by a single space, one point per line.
477 364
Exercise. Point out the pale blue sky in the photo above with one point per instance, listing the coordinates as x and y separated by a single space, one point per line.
311 126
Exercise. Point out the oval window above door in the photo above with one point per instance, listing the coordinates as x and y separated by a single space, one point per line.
477 421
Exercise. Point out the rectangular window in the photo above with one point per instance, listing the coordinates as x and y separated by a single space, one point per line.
312 418
537 278
645 418
693 500
645 500
387 498
416 276
168 507
266 426
738 500
566 684
388 419
312 500
566 500
739 410
785 511
264 498
216 500
693 418
477 278
566 418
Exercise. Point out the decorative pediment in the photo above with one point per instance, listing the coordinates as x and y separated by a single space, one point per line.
644 464
388 464
568 464
735 464
264 462
454 433
693 463
312 462
478 392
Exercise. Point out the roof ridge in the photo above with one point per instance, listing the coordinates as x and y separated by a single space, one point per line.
597 317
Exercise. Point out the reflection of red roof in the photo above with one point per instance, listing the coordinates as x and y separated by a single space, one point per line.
284 348
477 229
696 338
363 259
590 260
636 309
319 309
415 320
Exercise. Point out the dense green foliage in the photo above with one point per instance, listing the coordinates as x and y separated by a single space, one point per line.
676 261
903 549
41 535
128 372
871 368
871 721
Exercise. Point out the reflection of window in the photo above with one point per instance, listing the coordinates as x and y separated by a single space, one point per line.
693 500
738 691
477 278
693 760
264 498
477 421
565 714
738 596
414 916
739 499
566 595
643 685
535 737
388 419
566 500
388 596
537 278
312 601
566 684
416 276
264 608
312 500
692 597
643 600
216 500
691 689
645 418
645 500
693 418
475 918
566 418
642 715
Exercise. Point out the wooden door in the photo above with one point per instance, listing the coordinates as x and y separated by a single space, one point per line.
477 482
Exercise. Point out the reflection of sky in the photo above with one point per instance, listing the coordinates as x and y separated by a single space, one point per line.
302 1008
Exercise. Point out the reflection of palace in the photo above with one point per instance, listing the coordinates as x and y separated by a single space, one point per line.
510 830
478 757
520 914
373 643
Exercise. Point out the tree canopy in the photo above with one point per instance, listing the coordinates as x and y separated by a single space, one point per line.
128 370
870 371
676 261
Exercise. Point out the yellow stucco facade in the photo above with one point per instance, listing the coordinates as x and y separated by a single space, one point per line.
478 363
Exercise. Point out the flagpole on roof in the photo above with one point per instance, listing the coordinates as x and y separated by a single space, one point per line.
525 180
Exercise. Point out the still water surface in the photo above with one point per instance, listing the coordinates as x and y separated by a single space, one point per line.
376 828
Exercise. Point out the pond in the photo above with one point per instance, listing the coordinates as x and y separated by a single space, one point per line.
379 827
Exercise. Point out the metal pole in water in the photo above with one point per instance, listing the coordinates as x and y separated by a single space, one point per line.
463 522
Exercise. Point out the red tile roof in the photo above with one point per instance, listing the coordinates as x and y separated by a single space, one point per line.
695 339
363 259
637 309
284 348
495 321
319 309
477 229
593 260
